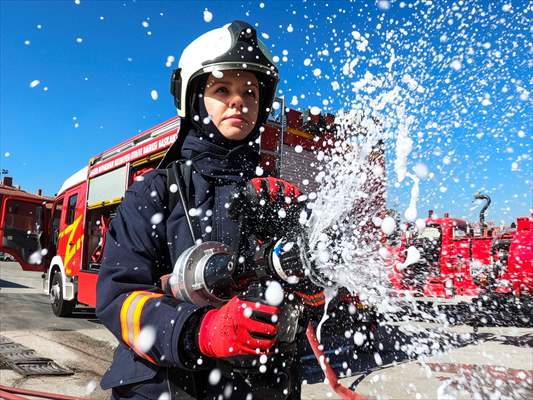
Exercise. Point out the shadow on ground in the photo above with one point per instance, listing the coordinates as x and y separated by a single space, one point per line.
393 345
11 285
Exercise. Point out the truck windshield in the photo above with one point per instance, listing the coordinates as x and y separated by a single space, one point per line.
431 232
459 232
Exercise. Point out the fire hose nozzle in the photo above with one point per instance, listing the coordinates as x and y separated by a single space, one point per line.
288 260
202 274
208 274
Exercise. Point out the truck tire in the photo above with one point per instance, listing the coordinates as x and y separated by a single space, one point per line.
60 306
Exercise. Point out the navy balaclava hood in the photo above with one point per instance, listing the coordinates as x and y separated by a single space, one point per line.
212 154
193 124
209 131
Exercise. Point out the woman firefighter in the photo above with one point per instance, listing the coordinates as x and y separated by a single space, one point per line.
171 349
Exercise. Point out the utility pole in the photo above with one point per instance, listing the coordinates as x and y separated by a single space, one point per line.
281 136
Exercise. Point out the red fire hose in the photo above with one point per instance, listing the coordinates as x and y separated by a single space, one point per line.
342 391
9 396
10 393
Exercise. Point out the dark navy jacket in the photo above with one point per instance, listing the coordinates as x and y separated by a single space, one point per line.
143 243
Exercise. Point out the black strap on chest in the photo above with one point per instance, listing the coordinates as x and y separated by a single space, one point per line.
180 188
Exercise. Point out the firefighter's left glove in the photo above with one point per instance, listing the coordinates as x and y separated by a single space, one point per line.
238 328
270 207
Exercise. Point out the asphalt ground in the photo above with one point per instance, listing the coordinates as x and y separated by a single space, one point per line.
411 360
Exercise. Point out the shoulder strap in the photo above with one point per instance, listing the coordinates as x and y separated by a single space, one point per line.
179 187
172 180
186 173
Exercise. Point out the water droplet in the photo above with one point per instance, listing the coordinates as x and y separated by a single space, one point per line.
156 218
214 376
208 15
274 293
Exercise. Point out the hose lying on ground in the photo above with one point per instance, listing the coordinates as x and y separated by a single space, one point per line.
342 391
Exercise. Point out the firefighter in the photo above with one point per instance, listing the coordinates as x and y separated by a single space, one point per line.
223 90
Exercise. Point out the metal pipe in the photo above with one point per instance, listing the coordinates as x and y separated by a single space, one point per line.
479 196
282 136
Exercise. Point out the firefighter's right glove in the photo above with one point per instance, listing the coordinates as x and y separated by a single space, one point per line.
270 207
238 328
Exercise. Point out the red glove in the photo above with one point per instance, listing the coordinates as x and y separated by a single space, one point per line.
228 332
274 190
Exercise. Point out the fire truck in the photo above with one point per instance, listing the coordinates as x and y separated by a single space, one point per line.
72 237
24 216
462 259
512 250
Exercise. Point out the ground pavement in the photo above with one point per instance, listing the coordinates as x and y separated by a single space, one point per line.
494 362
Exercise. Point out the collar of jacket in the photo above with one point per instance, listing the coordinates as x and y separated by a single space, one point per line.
215 161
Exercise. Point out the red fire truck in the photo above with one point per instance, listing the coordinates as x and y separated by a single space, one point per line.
74 234
464 254
459 258
513 251
24 217
448 252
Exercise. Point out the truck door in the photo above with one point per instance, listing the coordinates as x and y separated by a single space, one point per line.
70 238
22 225
55 225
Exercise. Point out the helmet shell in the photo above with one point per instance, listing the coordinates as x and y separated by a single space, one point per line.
234 46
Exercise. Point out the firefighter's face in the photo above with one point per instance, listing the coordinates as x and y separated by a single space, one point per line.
232 100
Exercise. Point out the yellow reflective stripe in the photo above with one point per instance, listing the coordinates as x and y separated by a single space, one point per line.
137 324
123 316
130 319
137 313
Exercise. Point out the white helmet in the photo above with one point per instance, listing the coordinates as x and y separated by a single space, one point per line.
234 46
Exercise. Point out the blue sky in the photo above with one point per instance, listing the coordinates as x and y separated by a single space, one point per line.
462 73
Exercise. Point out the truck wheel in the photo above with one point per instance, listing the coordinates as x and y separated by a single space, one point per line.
60 306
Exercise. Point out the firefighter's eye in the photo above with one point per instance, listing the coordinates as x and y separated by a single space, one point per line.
250 93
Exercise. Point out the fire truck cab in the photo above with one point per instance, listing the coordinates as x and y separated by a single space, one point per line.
456 256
